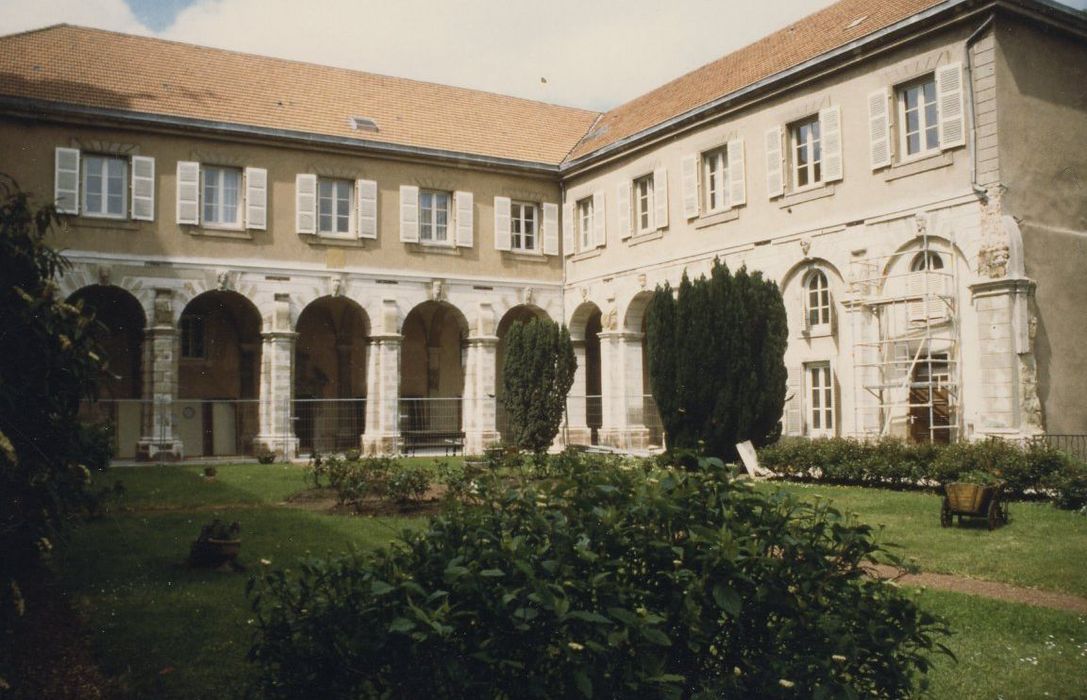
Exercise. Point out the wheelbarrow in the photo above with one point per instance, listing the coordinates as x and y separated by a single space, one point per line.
974 501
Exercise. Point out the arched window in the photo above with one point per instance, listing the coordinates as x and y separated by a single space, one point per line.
818 299
927 260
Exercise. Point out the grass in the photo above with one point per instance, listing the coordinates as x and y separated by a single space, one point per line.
166 631
1042 547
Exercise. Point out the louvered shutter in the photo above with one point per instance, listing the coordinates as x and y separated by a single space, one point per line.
409 214
550 228
143 188
66 180
463 202
689 177
830 132
949 101
622 199
366 191
305 203
775 172
737 180
256 198
188 192
502 223
600 232
568 247
794 402
660 198
879 127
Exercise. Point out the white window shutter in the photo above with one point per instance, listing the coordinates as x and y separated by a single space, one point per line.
188 192
879 127
305 203
660 198
568 228
689 177
794 402
464 204
143 188
622 201
502 223
600 233
737 180
66 180
409 213
775 172
256 198
830 131
550 228
949 101
366 191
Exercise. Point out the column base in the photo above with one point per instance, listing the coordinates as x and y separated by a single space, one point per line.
574 436
152 450
284 446
629 438
380 445
476 442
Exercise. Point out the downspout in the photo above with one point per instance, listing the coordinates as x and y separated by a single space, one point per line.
972 135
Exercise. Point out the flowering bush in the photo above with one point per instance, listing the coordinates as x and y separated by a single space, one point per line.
601 582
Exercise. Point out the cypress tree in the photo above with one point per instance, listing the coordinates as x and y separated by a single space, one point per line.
537 373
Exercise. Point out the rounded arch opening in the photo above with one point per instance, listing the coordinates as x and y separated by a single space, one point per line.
518 314
432 356
585 405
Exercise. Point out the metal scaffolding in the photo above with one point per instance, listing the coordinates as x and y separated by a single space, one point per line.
905 355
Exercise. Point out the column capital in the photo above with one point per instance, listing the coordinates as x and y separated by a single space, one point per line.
278 335
1004 285
386 338
483 340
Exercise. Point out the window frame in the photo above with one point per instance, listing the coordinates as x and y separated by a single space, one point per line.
186 326
428 231
645 198
239 206
334 215
823 306
85 209
902 138
820 406
814 167
585 223
518 219
927 261
719 176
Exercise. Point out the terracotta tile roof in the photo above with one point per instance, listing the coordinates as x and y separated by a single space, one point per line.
808 38
95 68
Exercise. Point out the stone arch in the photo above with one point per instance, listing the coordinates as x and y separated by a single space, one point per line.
585 406
580 318
432 367
634 318
899 262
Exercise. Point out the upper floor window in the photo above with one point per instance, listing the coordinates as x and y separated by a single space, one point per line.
585 223
643 204
523 226
818 300
334 211
222 196
715 175
434 216
918 115
928 260
105 186
806 152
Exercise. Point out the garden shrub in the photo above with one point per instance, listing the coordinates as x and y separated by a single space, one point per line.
606 581
537 373
408 484
1070 488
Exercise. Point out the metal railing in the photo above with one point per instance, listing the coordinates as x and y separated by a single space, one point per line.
1075 445
328 425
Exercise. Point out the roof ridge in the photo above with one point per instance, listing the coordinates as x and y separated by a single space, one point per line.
35 30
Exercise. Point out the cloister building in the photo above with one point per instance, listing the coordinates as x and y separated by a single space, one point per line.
297 257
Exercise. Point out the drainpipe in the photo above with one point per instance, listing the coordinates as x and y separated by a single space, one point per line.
972 135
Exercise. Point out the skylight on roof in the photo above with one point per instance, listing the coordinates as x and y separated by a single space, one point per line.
363 124
857 21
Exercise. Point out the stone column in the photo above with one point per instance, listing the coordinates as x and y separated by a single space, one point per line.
277 384
621 390
576 431
161 348
480 429
382 395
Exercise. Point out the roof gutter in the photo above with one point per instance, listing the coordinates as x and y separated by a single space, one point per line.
18 105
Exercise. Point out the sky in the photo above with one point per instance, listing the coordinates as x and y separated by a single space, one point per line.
594 54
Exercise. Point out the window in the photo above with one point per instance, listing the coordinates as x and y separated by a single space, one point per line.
222 187
643 204
807 155
434 216
105 186
585 222
192 337
925 261
715 175
917 113
818 300
820 399
334 214
523 226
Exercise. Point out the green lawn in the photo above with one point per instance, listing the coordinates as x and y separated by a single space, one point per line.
171 632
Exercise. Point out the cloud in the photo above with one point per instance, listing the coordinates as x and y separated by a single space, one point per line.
20 15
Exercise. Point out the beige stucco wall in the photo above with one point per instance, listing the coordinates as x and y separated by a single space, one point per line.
1043 162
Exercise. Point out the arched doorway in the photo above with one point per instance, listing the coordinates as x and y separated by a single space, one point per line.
218 374
432 355
330 375
518 314
585 407
120 393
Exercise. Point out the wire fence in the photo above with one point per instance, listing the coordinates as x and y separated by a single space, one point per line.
328 425
1075 445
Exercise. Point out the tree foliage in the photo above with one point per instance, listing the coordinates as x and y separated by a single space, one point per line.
716 353
537 373
49 362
